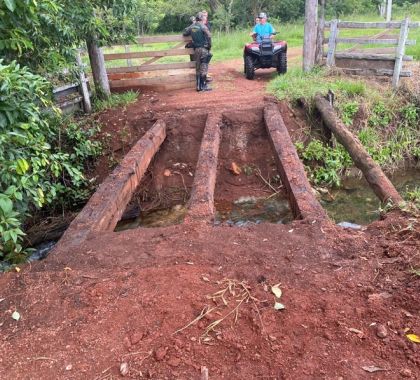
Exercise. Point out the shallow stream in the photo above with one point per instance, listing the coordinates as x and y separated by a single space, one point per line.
355 202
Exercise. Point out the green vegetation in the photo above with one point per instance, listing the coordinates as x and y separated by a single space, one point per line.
414 197
297 85
41 162
115 100
388 129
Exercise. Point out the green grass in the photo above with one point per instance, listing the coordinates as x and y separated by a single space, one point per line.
231 45
389 130
115 100
296 84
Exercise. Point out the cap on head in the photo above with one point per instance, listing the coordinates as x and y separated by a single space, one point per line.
200 16
262 15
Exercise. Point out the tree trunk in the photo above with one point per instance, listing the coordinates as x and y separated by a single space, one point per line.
373 173
389 11
320 37
97 64
309 41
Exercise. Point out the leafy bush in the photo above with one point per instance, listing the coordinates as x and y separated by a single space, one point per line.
39 163
326 163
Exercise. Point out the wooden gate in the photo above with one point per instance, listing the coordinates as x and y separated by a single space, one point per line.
136 67
371 61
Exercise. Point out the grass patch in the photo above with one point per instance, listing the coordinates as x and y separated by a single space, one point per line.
388 128
296 84
115 100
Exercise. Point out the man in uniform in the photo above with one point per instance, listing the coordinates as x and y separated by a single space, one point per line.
201 38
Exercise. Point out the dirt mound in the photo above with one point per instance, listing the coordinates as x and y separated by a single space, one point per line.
341 289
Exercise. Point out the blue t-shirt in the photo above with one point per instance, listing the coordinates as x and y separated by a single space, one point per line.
263 31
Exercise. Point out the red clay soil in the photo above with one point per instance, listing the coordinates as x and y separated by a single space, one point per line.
127 304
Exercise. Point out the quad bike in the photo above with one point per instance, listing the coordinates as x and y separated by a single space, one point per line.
264 55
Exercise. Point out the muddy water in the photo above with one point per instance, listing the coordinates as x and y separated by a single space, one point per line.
255 210
356 203
153 219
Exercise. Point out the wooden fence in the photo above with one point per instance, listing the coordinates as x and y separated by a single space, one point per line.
69 98
76 96
386 61
149 74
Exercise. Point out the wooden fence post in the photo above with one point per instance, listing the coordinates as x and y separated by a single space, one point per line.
400 52
83 84
320 38
332 43
310 37
127 50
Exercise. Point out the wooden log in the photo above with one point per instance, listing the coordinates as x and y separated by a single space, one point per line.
399 56
301 197
371 41
158 39
152 81
145 54
372 25
372 57
201 203
376 72
158 67
168 74
105 207
376 178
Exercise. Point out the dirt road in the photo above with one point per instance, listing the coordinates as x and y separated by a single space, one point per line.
175 302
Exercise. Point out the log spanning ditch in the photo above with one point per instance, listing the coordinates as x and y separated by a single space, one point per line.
105 208
373 173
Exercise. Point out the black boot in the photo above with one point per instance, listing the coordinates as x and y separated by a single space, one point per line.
204 86
198 82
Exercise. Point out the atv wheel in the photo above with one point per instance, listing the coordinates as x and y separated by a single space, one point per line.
282 63
249 67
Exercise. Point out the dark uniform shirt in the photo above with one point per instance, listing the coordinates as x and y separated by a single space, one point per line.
200 35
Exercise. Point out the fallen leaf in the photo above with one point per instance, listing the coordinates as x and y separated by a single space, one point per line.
17 269
235 169
373 368
167 173
290 231
276 290
279 306
124 369
205 279
16 316
413 338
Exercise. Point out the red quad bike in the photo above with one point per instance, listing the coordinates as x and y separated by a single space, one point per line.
265 55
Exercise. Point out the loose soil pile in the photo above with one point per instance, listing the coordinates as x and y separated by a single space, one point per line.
174 302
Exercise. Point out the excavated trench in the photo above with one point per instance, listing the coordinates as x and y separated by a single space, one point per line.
248 185
161 197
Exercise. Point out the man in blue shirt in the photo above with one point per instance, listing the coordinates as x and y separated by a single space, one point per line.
264 28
